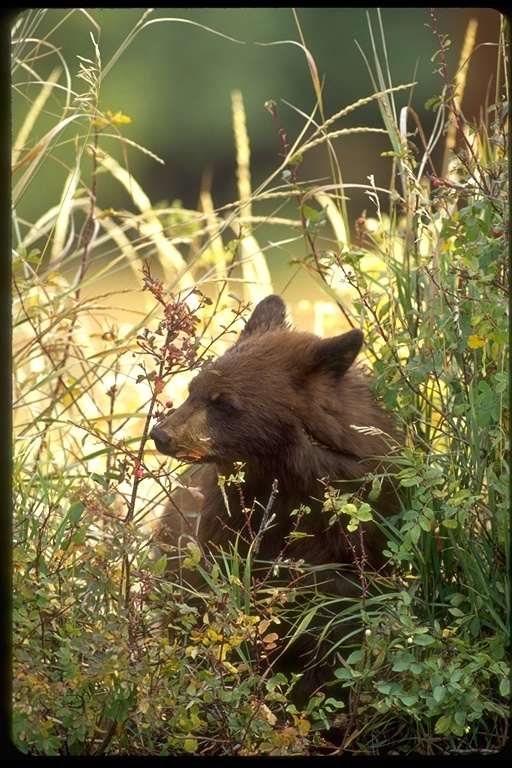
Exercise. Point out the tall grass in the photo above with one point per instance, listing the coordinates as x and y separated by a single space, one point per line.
425 272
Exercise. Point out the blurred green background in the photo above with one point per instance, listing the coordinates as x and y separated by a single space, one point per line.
175 81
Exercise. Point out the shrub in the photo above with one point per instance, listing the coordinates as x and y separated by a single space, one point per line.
93 671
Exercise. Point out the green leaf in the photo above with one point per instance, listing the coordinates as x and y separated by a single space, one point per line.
450 523
75 511
497 649
160 565
410 482
409 701
439 693
415 533
342 673
310 213
80 535
99 479
423 640
403 663
190 745
364 513
443 724
356 656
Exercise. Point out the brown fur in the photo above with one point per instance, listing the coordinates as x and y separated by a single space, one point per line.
285 403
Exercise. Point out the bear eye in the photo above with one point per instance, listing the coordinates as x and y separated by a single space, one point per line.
222 402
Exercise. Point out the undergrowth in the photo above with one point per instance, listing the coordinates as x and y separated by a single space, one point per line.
425 273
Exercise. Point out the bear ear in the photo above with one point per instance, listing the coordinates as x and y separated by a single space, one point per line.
268 315
335 356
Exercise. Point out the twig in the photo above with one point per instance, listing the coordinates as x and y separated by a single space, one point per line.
265 522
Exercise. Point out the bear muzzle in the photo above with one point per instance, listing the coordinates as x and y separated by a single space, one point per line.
161 440
182 446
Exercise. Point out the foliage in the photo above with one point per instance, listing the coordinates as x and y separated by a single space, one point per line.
110 655
430 278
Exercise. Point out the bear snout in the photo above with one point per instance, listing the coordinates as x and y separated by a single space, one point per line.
161 439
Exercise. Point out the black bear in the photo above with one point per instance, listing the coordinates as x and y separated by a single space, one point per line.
296 415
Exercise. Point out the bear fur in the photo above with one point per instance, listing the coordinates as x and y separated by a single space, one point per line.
288 406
